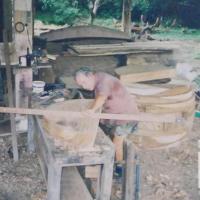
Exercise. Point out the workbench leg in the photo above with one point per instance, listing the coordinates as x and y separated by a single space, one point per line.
30 140
98 191
129 154
54 181
106 180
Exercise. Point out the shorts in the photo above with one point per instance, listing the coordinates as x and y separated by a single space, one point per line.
119 130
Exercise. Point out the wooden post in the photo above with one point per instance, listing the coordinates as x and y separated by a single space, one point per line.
126 16
7 56
23 13
23 88
10 95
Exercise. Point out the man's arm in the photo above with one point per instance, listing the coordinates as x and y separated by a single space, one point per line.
98 102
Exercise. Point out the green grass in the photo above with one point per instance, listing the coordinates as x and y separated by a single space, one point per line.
108 22
177 34
105 22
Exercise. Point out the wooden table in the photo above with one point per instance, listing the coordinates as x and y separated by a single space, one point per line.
59 166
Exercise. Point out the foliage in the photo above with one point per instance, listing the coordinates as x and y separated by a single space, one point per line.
186 12
110 9
61 11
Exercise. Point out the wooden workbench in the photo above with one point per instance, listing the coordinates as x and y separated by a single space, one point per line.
59 166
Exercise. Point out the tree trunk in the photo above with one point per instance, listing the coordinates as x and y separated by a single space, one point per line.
126 16
96 5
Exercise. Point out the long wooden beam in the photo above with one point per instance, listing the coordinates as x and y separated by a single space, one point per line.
146 117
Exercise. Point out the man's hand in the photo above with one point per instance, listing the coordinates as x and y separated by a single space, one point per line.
98 102
89 112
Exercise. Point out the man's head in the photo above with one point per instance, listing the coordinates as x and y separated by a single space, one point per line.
85 78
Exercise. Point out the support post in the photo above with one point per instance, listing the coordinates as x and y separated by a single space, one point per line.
10 94
128 182
6 38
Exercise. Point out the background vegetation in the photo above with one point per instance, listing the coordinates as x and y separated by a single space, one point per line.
186 12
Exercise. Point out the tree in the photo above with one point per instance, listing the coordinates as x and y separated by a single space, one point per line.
61 11
93 7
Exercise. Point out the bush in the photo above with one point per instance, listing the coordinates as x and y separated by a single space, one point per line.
61 11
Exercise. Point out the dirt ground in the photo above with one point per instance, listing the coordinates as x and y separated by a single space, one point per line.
172 174
166 174
22 180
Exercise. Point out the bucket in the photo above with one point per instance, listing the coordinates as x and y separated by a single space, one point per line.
38 86
68 132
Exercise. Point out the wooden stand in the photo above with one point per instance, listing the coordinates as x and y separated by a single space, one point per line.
59 166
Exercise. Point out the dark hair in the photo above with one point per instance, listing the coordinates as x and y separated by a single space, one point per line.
83 70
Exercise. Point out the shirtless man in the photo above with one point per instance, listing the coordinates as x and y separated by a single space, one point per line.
113 97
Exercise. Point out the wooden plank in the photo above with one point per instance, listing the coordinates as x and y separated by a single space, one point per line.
122 48
175 90
130 74
147 100
135 45
135 117
67 65
90 53
84 32
186 108
143 89
72 185
163 58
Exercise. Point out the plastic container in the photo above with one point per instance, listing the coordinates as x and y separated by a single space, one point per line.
38 86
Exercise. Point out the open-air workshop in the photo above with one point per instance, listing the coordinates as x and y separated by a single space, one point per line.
90 112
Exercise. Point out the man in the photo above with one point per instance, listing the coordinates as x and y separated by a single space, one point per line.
114 98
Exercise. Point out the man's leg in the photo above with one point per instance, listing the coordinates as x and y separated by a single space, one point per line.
120 133
118 141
